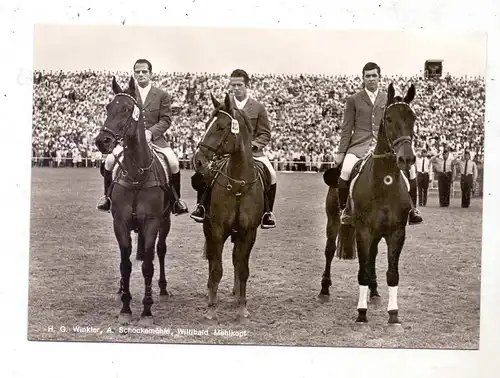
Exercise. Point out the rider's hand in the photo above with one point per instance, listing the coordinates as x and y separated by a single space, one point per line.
338 158
149 135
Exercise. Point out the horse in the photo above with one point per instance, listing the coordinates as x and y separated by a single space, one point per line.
380 205
141 197
236 205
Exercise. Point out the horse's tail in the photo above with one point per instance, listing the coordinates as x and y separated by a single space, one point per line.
347 243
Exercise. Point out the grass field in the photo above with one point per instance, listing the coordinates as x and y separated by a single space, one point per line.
74 274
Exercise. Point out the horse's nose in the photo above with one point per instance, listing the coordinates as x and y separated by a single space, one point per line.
198 163
407 160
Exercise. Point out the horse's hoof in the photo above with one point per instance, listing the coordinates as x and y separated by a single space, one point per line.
361 326
395 328
210 318
163 298
323 298
146 321
376 300
210 321
242 320
125 318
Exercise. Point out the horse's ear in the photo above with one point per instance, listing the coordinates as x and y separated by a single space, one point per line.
214 101
410 95
116 88
390 94
131 84
227 103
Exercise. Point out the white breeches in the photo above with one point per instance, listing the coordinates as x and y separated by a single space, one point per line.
172 160
413 172
350 160
269 166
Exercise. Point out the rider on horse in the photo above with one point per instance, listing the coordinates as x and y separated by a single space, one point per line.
257 114
362 116
156 115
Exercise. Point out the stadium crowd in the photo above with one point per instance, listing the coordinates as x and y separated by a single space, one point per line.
305 113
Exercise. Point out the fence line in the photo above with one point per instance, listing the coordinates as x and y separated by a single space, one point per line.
291 166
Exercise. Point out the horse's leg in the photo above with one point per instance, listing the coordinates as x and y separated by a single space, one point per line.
236 284
395 243
363 241
332 230
214 248
161 248
125 243
374 295
150 231
242 248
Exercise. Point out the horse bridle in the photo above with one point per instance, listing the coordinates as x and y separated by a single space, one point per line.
134 116
224 139
217 156
116 136
395 144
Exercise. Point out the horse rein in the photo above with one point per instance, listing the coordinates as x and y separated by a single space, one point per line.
116 137
396 143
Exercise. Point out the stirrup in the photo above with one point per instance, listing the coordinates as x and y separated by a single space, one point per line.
103 210
181 206
416 214
272 218
198 218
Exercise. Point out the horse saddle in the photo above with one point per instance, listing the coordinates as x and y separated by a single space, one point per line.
263 174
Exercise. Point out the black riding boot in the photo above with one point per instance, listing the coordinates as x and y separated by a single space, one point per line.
104 203
180 206
414 217
268 219
345 216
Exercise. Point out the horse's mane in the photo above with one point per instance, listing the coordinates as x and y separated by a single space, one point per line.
246 121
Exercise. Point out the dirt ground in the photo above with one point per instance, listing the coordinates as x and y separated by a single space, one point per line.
74 274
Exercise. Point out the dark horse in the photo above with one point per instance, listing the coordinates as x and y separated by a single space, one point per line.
140 198
224 158
380 205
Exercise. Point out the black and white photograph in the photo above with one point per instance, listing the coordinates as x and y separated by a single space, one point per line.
258 188
249 186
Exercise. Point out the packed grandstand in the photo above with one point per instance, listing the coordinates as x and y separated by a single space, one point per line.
305 113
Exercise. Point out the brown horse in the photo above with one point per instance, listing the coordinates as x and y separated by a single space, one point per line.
140 197
236 206
380 204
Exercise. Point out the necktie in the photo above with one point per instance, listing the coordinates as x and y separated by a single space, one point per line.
423 160
465 170
444 166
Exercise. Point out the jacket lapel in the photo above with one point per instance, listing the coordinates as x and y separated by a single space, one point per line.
378 100
151 96
139 98
248 106
365 97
